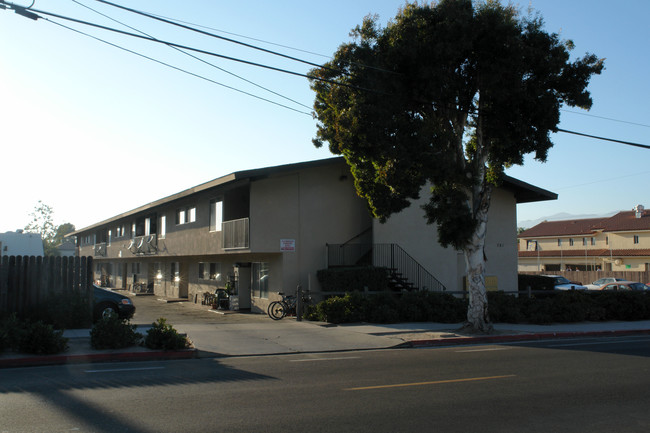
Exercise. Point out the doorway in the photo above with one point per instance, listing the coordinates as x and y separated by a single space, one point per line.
243 274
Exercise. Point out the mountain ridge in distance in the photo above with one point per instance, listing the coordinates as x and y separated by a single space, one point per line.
561 217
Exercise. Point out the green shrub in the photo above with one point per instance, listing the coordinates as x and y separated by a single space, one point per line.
113 333
64 310
353 279
162 336
505 308
41 339
338 309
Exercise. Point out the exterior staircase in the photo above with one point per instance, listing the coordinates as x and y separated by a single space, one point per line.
405 273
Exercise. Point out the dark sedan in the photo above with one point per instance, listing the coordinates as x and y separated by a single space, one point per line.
108 302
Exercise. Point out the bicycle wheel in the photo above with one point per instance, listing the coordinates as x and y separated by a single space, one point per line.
277 310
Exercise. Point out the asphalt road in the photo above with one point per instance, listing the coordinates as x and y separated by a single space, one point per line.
595 385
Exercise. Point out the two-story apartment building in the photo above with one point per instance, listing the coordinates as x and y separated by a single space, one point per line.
268 230
617 243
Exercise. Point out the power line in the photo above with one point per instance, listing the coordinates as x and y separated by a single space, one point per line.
643 146
32 13
197 58
175 67
275 53
607 118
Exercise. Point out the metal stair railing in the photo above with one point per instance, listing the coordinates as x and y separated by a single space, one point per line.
390 256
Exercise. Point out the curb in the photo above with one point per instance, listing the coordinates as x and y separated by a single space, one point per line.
520 337
42 360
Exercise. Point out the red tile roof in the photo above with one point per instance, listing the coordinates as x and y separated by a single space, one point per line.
641 252
622 221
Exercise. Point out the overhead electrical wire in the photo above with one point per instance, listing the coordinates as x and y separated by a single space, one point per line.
197 58
159 18
175 67
32 14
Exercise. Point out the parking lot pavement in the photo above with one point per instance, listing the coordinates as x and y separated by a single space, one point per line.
150 308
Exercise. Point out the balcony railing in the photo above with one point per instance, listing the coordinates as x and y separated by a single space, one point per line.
235 234
100 249
144 245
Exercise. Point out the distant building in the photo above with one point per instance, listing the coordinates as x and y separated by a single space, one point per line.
19 243
617 243
68 248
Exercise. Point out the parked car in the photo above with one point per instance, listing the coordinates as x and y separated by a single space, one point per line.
109 302
561 283
596 285
623 285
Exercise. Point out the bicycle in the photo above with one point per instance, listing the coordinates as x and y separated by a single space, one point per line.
277 310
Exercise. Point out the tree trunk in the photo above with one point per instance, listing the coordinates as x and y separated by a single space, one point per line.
478 319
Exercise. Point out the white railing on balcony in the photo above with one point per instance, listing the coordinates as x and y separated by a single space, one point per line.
235 234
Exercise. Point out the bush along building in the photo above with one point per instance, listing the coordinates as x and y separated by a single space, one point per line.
268 230
617 243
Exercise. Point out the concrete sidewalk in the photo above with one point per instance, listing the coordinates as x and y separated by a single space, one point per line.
289 336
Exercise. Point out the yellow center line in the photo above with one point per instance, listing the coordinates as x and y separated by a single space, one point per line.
401 385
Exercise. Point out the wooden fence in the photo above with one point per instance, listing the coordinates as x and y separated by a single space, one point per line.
27 281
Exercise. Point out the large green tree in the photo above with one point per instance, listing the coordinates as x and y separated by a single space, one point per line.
447 95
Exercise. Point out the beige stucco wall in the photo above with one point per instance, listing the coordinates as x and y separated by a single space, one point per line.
310 207
420 240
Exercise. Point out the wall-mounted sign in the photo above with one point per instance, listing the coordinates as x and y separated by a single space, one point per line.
287 245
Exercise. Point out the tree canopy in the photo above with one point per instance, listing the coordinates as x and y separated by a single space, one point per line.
51 234
446 94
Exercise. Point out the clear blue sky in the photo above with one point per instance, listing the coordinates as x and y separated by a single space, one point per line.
94 131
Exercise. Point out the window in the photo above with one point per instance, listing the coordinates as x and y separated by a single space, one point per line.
559 242
163 226
571 242
606 240
593 241
135 268
185 215
133 231
216 215
147 226
584 242
210 271
110 237
260 273
636 239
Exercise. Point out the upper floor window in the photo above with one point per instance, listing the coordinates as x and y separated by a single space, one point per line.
163 226
584 242
216 215
559 242
636 239
571 242
593 241
185 215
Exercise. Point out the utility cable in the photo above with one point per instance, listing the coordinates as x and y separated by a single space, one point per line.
643 146
197 58
175 67
275 53
33 15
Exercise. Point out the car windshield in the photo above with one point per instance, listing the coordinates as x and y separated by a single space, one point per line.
637 286
561 280
603 281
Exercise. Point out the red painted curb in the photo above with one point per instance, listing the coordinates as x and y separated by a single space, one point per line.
521 337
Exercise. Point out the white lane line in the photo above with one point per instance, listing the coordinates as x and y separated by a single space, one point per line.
489 349
324 359
123 369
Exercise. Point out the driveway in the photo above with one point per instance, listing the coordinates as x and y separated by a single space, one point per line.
148 309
